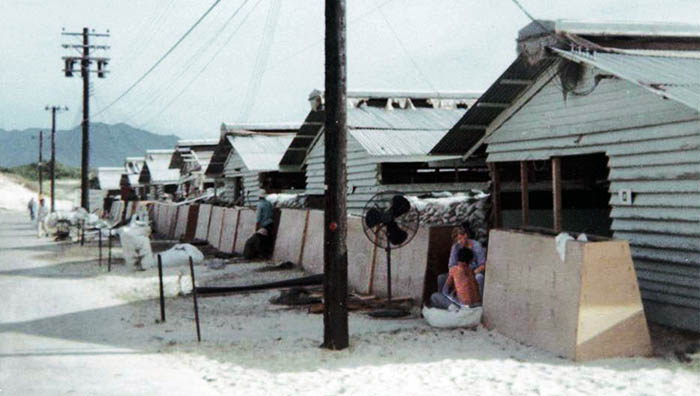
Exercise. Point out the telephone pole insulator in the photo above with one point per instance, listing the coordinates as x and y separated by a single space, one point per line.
69 69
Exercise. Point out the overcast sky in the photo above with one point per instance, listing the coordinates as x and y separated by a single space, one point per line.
425 45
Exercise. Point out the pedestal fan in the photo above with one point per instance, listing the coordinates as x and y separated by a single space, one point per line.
390 222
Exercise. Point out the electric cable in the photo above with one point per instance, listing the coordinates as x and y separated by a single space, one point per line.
168 52
405 50
189 84
533 19
160 92
261 60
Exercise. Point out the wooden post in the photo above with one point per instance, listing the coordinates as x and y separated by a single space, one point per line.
160 289
556 193
335 254
524 195
194 299
109 251
496 195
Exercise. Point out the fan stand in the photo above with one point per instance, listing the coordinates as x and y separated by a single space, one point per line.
389 311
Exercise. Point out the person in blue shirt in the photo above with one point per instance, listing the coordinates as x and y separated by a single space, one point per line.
460 237
263 214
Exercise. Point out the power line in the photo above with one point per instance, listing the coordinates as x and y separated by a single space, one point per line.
216 2
317 42
408 55
159 93
261 60
533 19
182 91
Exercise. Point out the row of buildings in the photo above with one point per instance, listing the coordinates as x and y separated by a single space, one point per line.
593 128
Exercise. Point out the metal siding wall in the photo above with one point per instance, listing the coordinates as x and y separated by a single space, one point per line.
653 147
251 183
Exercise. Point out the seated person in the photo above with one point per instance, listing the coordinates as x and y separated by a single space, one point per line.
460 285
460 236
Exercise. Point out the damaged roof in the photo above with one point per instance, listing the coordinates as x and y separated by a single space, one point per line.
426 116
542 43
671 77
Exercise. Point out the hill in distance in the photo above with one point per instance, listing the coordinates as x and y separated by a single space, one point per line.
109 145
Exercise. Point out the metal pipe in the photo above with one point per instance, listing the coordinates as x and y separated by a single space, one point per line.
162 296
99 244
109 251
194 298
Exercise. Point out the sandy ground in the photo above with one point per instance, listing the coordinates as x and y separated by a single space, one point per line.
67 326
15 196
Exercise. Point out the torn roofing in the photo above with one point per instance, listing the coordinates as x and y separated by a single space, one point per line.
675 78
261 152
427 124
535 42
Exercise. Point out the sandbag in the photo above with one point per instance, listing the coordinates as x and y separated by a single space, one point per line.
136 244
443 318
179 255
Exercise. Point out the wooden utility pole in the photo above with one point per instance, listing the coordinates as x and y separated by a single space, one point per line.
53 109
85 155
40 165
335 254
85 61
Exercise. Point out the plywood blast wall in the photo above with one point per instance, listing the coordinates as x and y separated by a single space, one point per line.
203 222
586 306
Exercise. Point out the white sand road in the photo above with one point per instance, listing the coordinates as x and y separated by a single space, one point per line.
69 327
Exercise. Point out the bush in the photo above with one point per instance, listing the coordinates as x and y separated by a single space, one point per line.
30 172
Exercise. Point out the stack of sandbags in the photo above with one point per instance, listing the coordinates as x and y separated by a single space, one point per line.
472 208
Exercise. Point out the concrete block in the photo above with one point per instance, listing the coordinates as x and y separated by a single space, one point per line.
246 228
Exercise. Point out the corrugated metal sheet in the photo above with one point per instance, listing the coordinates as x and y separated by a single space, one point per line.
369 117
397 142
653 148
261 152
155 170
108 178
676 78
419 118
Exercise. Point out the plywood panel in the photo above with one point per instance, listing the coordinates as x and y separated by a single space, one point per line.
360 253
407 268
228 230
246 228
181 225
584 307
191 228
530 294
215 224
312 260
611 317
203 222
290 235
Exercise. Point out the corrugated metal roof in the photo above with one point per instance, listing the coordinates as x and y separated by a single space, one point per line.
156 165
419 119
676 78
197 142
261 152
397 142
416 119
109 178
